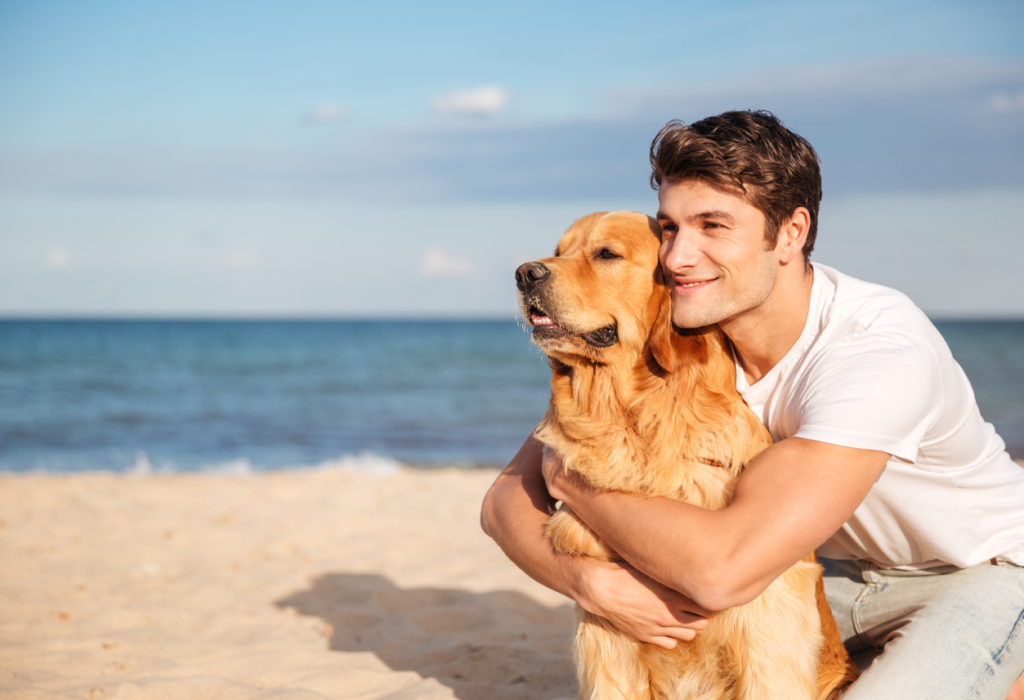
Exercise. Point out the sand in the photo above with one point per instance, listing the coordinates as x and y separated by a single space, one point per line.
298 585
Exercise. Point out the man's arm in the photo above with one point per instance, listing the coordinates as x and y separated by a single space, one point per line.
514 512
788 501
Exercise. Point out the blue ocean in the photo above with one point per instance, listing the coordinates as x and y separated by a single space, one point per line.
239 396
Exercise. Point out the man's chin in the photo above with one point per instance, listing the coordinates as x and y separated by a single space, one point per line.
687 316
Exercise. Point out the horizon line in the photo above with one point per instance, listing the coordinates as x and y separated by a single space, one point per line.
383 317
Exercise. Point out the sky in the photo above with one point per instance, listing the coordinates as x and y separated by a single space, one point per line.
399 159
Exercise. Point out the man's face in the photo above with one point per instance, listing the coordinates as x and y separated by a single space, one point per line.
713 253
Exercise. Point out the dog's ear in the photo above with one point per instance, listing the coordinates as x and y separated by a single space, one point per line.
670 347
667 346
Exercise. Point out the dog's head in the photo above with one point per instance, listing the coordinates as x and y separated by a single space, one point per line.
601 296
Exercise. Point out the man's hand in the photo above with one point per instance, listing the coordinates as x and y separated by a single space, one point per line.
514 512
640 606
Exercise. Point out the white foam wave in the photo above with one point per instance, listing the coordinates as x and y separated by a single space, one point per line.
365 463
235 467
143 467
360 463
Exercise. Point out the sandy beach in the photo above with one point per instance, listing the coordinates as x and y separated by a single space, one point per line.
300 585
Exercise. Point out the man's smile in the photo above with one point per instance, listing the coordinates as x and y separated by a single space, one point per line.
690 286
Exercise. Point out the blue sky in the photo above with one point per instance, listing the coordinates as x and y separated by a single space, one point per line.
401 158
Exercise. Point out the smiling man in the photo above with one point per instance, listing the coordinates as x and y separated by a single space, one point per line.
881 460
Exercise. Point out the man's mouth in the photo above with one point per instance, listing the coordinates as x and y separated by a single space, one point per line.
689 286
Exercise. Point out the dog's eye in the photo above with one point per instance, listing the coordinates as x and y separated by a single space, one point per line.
606 254
557 253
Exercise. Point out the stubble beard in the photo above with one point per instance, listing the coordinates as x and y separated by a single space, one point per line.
726 304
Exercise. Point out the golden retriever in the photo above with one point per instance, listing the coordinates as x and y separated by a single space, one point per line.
640 406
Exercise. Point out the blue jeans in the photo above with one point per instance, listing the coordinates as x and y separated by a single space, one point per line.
936 634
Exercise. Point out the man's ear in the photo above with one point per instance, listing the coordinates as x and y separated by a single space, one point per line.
793 235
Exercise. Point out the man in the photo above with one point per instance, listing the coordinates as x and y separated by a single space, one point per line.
881 461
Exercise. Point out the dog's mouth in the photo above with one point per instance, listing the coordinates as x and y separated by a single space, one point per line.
540 318
545 328
603 337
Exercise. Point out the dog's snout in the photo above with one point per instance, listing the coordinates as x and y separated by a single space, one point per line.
531 273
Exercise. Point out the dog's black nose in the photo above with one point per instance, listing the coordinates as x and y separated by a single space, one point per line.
531 273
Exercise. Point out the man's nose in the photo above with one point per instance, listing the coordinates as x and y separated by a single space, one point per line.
530 274
680 252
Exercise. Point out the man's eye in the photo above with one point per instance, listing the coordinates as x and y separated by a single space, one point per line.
606 254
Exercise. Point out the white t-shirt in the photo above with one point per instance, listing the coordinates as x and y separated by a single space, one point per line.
871 371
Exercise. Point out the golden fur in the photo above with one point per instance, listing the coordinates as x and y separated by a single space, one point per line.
639 406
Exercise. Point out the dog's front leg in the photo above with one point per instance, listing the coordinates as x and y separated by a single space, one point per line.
608 662
570 535
777 639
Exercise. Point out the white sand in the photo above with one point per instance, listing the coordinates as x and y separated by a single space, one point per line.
319 584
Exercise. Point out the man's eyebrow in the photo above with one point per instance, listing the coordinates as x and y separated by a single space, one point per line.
715 214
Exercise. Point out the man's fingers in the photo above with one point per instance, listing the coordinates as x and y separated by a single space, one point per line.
685 606
682 618
694 622
685 609
643 608
686 635
663 642
678 634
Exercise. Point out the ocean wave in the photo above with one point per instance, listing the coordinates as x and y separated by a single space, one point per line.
365 463
235 467
358 463
142 467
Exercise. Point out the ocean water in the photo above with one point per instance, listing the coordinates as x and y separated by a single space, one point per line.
238 396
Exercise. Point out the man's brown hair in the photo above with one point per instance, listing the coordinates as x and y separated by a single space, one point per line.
751 152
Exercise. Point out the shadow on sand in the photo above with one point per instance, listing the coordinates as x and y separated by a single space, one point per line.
485 646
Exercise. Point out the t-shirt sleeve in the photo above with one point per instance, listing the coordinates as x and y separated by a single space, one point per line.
877 392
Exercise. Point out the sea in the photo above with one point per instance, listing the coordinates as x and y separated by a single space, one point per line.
246 396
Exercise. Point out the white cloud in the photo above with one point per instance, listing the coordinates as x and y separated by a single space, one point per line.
1007 102
438 263
242 259
58 258
487 100
329 113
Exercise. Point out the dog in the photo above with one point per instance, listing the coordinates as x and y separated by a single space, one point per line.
638 405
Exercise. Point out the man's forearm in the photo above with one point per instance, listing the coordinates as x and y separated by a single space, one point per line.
518 504
789 500
635 527
513 514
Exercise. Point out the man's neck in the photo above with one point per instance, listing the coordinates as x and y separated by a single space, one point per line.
762 336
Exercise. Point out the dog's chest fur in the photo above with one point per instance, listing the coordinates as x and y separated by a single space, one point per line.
684 435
